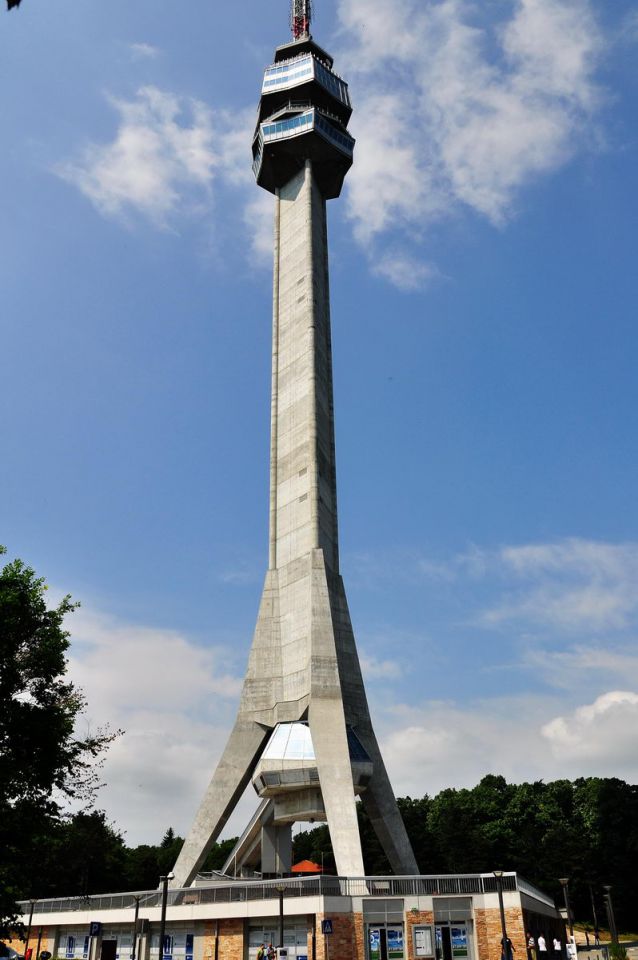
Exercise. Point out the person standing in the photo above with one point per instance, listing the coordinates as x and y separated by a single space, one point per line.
531 943
541 948
557 949
507 949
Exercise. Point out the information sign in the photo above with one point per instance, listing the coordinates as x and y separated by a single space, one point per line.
423 946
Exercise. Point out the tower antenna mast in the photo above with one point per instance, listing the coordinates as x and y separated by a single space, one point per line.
300 17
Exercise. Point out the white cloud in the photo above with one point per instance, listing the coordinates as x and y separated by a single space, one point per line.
258 217
571 667
144 51
437 745
175 700
404 271
572 584
602 734
456 111
162 158
162 163
374 668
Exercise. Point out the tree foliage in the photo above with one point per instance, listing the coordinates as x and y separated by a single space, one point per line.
43 762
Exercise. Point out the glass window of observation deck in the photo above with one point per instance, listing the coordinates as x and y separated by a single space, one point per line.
288 73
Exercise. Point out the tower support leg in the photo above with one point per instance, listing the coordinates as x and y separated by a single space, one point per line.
326 718
381 806
229 781
276 849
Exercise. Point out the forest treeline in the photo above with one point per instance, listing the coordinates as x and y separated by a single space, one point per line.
586 830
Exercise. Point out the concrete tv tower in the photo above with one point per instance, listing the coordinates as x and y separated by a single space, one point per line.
303 731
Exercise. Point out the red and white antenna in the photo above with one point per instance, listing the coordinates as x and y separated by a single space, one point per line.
300 17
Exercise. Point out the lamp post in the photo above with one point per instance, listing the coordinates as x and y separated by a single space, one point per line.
498 874
26 944
164 886
135 919
610 914
281 889
564 882
593 906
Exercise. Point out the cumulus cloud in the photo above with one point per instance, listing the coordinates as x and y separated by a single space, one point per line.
604 733
436 745
163 162
461 111
439 745
162 157
175 700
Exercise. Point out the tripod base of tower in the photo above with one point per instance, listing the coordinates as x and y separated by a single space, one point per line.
328 700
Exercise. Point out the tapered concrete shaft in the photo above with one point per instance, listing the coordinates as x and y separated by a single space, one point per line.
303 663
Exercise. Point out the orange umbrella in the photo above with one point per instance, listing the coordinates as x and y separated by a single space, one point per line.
306 866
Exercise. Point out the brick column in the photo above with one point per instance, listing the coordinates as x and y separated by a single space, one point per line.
346 940
489 932
415 918
231 940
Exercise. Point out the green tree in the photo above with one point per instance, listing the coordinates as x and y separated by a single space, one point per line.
42 760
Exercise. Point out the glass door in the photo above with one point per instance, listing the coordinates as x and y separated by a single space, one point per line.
451 942
385 941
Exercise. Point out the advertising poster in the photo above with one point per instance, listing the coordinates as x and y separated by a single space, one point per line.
395 943
459 942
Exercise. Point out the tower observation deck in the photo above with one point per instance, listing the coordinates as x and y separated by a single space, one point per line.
303 733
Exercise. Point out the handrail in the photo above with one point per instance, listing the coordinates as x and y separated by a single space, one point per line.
229 890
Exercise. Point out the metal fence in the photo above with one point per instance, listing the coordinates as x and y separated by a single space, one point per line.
235 891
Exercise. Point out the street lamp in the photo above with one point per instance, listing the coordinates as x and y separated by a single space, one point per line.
137 913
281 889
564 882
164 885
593 907
498 874
26 945
610 914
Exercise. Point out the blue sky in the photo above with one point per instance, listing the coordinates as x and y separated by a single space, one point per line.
484 283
